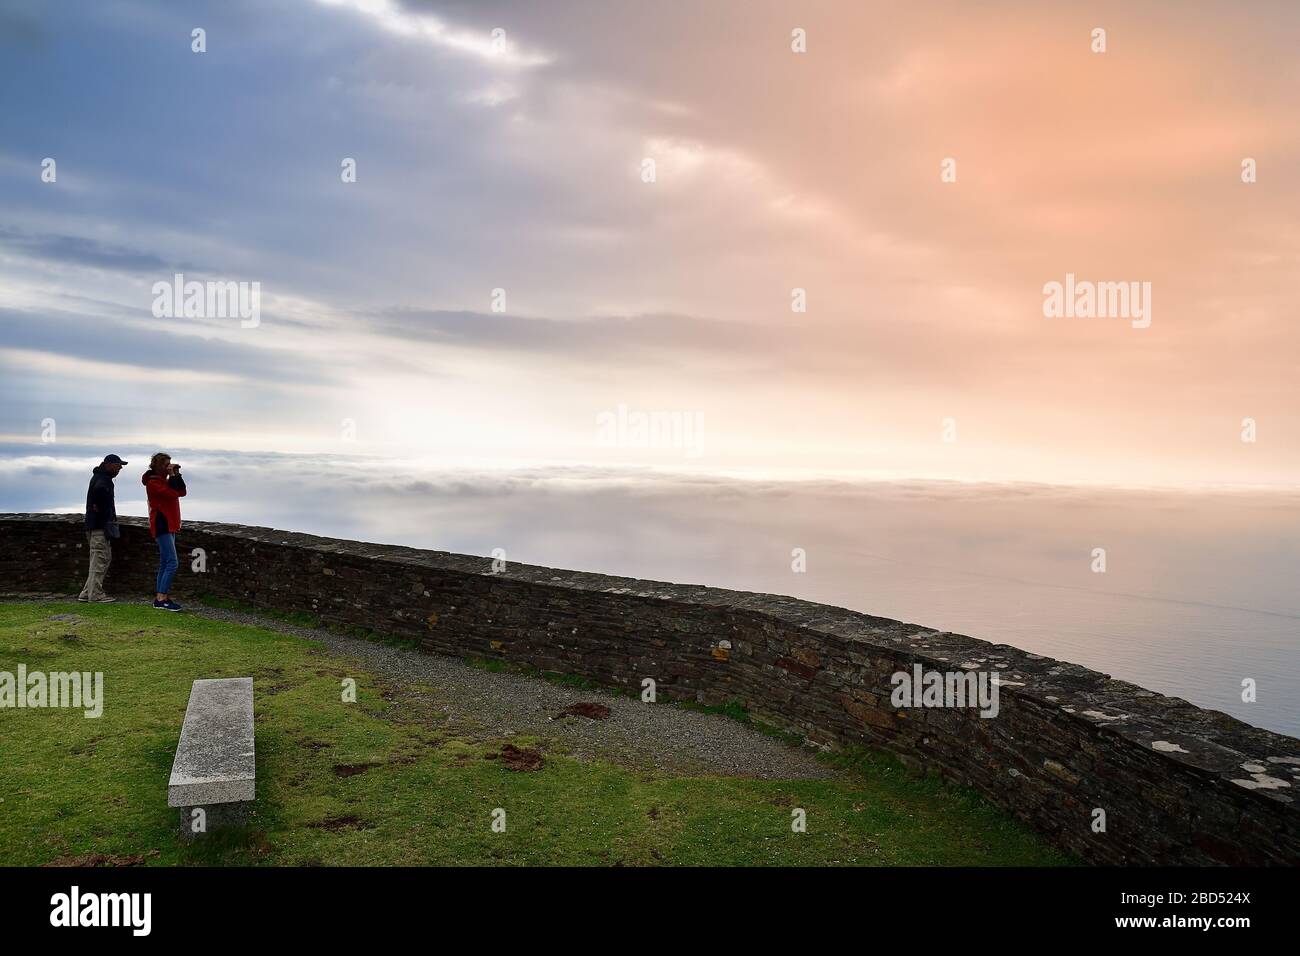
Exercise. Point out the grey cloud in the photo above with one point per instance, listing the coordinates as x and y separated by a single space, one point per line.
885 351
98 339
585 335
78 250
19 26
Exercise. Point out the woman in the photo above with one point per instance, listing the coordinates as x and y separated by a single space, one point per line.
165 488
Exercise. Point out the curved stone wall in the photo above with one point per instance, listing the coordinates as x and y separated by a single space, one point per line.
1176 784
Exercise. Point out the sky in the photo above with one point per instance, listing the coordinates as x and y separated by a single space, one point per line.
501 282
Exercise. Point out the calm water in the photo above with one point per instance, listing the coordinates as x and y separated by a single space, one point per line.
1199 590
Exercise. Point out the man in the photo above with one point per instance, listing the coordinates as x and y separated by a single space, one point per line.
101 525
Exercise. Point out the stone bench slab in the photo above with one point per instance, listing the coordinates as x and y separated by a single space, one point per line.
215 760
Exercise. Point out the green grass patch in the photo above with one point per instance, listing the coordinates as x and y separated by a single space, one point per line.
296 618
736 711
733 709
575 681
387 780
312 621
495 665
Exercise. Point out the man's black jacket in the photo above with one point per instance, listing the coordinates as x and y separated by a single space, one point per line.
100 507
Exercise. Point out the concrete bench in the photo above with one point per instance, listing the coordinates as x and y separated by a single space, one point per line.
215 767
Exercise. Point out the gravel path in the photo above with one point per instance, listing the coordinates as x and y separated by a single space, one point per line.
660 737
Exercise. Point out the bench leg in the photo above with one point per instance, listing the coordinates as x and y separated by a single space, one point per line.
196 822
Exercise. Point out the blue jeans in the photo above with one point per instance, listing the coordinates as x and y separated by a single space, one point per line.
166 562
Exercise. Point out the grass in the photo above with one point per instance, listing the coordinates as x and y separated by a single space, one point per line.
736 711
310 621
418 790
494 665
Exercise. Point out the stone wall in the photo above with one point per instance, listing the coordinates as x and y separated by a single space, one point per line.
1177 784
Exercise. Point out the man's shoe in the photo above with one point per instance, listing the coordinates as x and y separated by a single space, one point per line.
171 605
105 599
160 605
82 598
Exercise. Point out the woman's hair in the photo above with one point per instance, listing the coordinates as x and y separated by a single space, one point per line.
156 461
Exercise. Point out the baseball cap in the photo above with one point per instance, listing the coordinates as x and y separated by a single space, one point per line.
114 460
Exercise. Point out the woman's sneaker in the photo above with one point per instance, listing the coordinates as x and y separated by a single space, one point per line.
171 605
